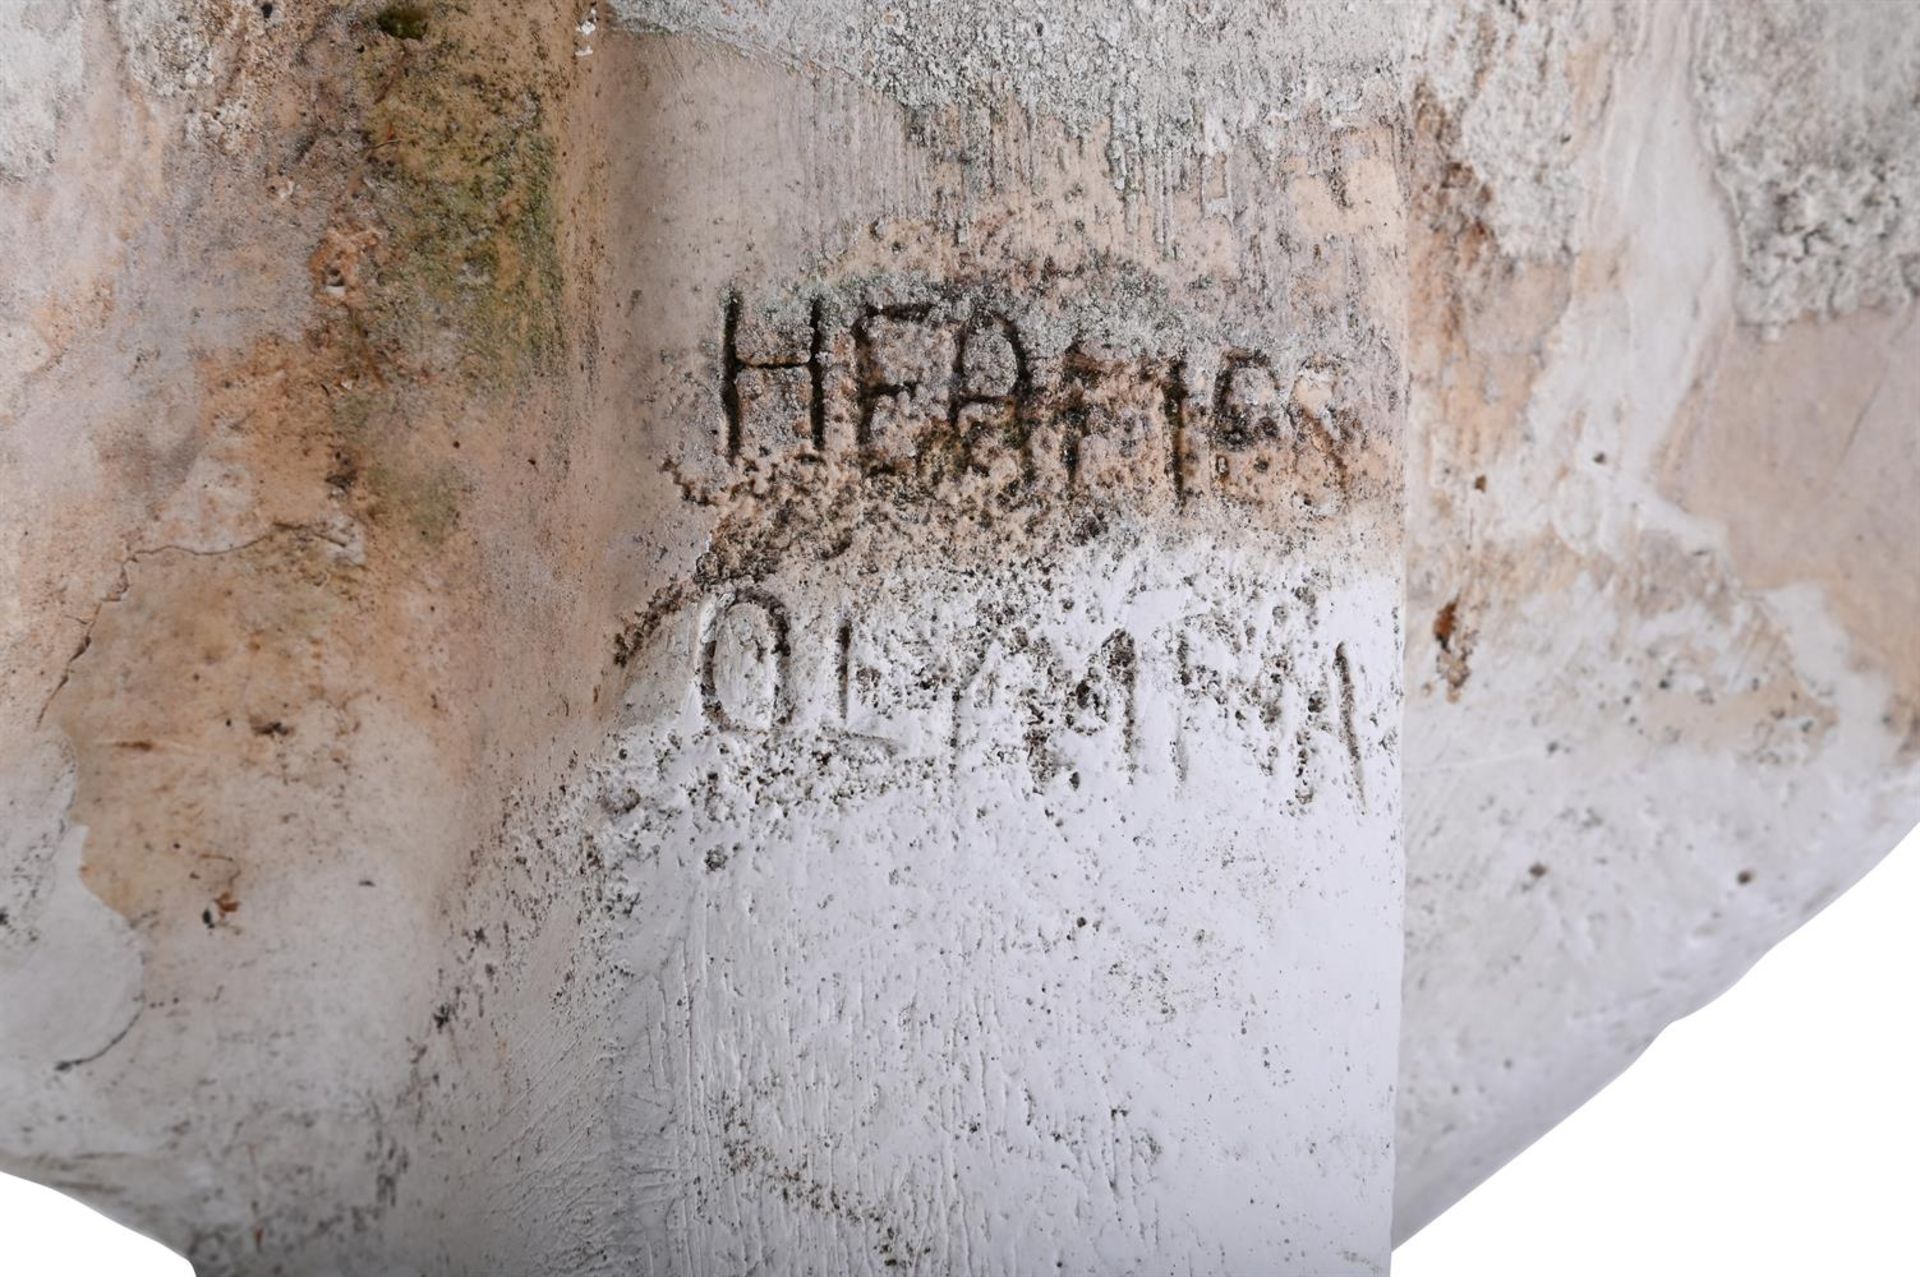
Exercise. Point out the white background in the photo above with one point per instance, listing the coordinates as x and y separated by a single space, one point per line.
1774 1134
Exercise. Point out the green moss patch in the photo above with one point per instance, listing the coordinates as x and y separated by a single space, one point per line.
463 170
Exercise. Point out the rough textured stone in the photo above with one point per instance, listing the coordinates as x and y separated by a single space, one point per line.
699 637
675 663
1661 589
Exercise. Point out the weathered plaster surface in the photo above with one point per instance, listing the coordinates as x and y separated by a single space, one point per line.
666 660
257 728
1161 81
773 639
1808 110
39 80
1661 585
1008 543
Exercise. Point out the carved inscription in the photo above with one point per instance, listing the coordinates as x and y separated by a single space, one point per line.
846 615
954 392
746 675
771 389
1051 700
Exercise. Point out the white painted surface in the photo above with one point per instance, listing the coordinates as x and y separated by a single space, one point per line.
1666 1171
1000 921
